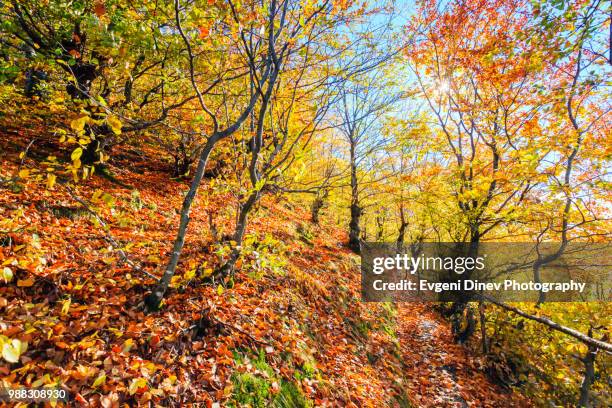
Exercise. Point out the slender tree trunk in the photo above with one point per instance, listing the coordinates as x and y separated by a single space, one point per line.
243 218
354 228
537 277
401 233
589 376
483 327
245 209
317 205
461 310
354 225
380 227
153 300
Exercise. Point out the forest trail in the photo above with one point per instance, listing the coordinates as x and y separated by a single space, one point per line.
440 372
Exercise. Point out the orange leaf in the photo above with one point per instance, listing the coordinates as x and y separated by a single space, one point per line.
204 31
99 9
154 340
25 283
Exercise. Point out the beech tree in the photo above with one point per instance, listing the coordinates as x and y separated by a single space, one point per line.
363 104
80 44
485 106
581 68
267 35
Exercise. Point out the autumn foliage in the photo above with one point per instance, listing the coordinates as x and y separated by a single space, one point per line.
185 187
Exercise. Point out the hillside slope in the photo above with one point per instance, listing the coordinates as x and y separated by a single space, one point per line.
288 330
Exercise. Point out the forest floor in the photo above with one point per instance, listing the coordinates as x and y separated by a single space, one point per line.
289 330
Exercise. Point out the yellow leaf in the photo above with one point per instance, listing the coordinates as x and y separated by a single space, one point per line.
137 383
189 275
175 281
219 290
24 174
78 124
108 199
127 345
114 123
66 306
51 180
84 345
9 353
76 154
96 195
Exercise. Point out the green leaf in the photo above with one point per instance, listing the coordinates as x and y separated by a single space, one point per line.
7 274
100 380
11 351
108 199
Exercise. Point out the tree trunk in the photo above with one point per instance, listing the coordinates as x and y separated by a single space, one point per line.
483 328
354 225
380 227
401 233
34 83
317 205
537 266
153 300
243 218
354 228
589 375
463 319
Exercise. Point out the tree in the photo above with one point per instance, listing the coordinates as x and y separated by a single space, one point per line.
290 112
267 35
363 104
409 183
573 36
80 45
479 84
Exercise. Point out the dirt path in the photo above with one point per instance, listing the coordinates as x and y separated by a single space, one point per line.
440 372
